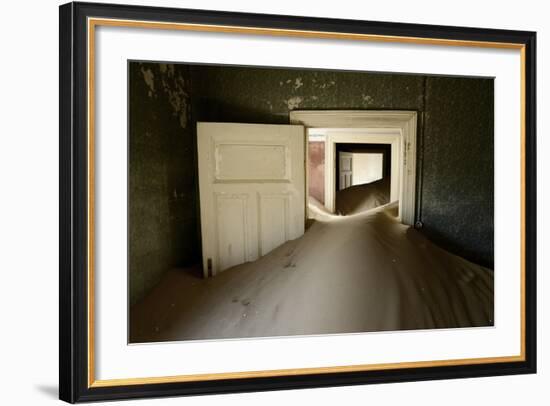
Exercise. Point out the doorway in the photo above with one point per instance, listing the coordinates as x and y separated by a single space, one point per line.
363 177
253 177
396 128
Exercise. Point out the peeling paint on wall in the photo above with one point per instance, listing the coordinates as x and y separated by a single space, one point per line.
294 102
173 86
149 80
367 99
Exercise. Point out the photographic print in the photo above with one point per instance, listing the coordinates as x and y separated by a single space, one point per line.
256 202
281 201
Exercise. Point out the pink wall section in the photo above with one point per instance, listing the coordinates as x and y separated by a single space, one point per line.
316 152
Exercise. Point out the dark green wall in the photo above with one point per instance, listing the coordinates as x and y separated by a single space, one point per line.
455 148
267 95
162 191
457 183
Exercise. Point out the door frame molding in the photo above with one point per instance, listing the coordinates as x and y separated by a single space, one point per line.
396 127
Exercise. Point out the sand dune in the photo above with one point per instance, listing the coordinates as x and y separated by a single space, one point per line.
359 198
359 273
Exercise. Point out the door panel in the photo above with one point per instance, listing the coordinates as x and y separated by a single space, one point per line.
346 165
252 197
263 162
274 221
232 212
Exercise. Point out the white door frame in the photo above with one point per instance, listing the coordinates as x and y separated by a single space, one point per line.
369 126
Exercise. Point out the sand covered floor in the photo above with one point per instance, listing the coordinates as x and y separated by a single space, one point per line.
359 273
359 198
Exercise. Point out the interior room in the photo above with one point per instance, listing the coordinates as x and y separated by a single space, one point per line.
282 201
364 177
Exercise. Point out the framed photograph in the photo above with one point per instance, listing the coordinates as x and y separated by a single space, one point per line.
257 202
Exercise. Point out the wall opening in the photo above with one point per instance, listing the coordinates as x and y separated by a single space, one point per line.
363 180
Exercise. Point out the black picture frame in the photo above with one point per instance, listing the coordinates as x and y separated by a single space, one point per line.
74 385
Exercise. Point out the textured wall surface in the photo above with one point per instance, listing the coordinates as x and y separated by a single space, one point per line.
455 148
262 95
457 191
162 190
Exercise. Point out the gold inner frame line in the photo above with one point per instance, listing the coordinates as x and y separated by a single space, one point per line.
94 22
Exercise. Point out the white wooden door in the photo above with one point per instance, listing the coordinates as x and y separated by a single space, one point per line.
252 190
346 165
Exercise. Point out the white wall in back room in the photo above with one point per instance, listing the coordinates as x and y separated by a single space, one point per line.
367 167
